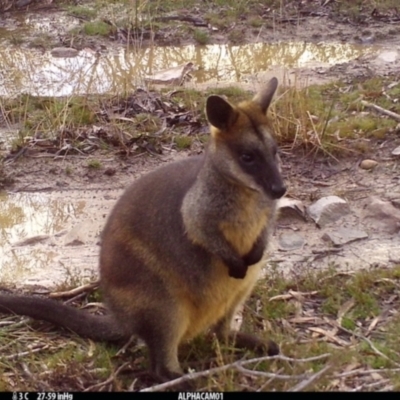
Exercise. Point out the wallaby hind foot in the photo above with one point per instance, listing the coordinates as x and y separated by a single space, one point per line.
251 342
242 340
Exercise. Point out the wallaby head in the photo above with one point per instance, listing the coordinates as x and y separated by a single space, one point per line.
241 141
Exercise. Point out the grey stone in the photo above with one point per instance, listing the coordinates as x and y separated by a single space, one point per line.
396 151
385 215
327 210
341 236
368 164
290 208
291 241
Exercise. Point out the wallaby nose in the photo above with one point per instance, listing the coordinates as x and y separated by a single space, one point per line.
278 190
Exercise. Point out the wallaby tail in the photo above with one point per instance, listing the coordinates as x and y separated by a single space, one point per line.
95 327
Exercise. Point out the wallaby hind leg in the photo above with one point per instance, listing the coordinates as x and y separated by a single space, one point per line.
163 352
243 340
162 332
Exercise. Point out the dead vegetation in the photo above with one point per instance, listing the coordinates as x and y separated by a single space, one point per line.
335 120
338 331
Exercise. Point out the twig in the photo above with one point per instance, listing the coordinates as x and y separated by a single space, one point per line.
364 372
381 110
370 385
25 353
268 374
367 340
107 381
302 385
387 388
75 291
208 372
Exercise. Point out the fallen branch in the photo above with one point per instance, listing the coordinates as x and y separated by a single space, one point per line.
268 375
237 364
364 372
381 110
75 291
302 385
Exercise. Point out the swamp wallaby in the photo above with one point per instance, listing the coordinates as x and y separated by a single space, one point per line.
183 246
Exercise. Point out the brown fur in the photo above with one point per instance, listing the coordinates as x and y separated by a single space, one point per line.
183 247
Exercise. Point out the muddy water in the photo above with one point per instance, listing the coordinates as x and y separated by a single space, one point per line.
39 73
47 238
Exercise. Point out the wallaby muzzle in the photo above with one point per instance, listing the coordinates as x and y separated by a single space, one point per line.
278 190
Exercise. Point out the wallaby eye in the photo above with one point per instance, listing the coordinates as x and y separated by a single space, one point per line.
247 158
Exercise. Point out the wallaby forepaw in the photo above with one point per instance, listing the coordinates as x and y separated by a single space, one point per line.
238 273
273 348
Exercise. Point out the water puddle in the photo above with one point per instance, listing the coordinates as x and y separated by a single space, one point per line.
39 73
46 237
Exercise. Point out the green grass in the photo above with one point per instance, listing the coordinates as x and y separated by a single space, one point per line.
183 142
82 12
96 28
201 37
94 164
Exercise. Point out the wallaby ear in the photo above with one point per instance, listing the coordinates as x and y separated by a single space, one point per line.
264 96
219 112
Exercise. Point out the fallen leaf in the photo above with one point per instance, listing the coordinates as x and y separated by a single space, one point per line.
344 309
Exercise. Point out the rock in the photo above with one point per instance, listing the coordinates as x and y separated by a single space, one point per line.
291 208
64 52
80 234
341 236
368 164
110 171
385 215
328 209
396 151
291 241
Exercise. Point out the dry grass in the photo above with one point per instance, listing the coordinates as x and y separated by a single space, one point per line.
329 119
337 330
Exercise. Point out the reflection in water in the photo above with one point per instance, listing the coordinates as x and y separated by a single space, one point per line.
25 216
29 71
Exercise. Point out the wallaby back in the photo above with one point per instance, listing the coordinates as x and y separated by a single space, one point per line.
183 246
